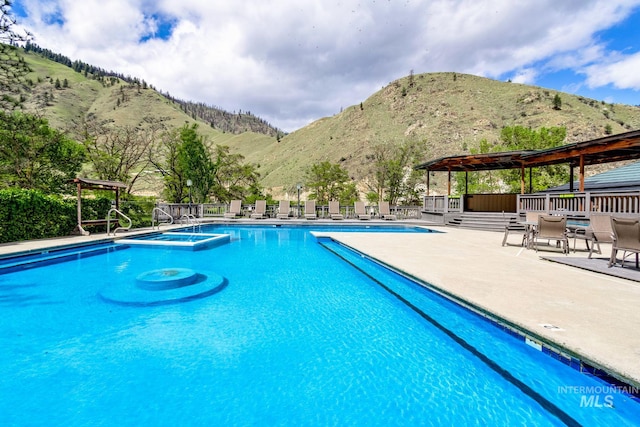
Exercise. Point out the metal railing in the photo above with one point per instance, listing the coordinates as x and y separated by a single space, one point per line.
213 210
191 220
155 214
117 212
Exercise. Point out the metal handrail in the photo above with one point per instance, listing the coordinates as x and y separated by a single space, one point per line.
153 218
191 219
117 228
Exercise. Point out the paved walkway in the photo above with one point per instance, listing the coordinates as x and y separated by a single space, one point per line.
597 316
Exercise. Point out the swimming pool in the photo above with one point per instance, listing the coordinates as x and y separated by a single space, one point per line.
304 332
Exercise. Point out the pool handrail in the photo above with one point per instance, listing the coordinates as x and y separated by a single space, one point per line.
158 210
114 210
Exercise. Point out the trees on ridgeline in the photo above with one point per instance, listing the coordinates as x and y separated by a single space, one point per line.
13 68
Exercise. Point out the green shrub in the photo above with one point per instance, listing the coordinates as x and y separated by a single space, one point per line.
30 214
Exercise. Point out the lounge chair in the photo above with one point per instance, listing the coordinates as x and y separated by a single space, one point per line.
361 211
283 209
513 224
385 212
260 210
626 238
552 228
235 209
599 231
334 210
310 209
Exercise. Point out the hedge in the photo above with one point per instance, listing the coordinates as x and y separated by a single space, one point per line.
30 214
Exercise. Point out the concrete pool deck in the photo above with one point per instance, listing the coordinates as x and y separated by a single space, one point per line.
596 316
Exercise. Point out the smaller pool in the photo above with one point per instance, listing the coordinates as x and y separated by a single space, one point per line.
193 241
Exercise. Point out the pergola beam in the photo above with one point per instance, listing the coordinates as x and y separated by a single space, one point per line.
624 146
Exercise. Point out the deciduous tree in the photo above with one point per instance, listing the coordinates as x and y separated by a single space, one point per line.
118 153
329 181
35 156
233 179
392 174
521 138
195 161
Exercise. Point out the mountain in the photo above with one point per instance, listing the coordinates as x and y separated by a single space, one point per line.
216 117
66 92
453 112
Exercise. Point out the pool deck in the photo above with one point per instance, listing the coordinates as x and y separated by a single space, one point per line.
595 317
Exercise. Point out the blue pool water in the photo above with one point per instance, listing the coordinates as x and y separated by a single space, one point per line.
301 333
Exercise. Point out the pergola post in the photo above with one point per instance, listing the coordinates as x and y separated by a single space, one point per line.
449 182
581 188
93 184
466 182
428 183
571 177
522 178
79 230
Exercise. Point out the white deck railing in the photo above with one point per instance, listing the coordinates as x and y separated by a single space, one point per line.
581 204
572 204
442 204
211 210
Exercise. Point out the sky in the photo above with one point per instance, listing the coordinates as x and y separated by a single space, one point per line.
292 62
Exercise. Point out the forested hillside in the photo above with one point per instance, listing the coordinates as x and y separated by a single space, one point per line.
450 113
217 118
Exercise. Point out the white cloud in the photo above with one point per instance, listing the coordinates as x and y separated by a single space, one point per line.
622 73
526 76
292 62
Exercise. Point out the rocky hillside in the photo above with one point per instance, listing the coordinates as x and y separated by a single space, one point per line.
451 111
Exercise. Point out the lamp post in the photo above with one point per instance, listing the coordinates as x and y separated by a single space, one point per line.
299 187
189 184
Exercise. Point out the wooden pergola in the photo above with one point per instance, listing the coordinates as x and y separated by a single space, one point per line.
94 184
614 148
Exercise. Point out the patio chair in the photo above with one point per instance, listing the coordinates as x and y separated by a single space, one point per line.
235 209
334 210
310 209
283 209
626 238
385 212
361 211
552 228
512 224
260 210
530 224
599 231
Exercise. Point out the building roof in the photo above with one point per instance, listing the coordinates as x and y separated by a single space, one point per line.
624 178
623 146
